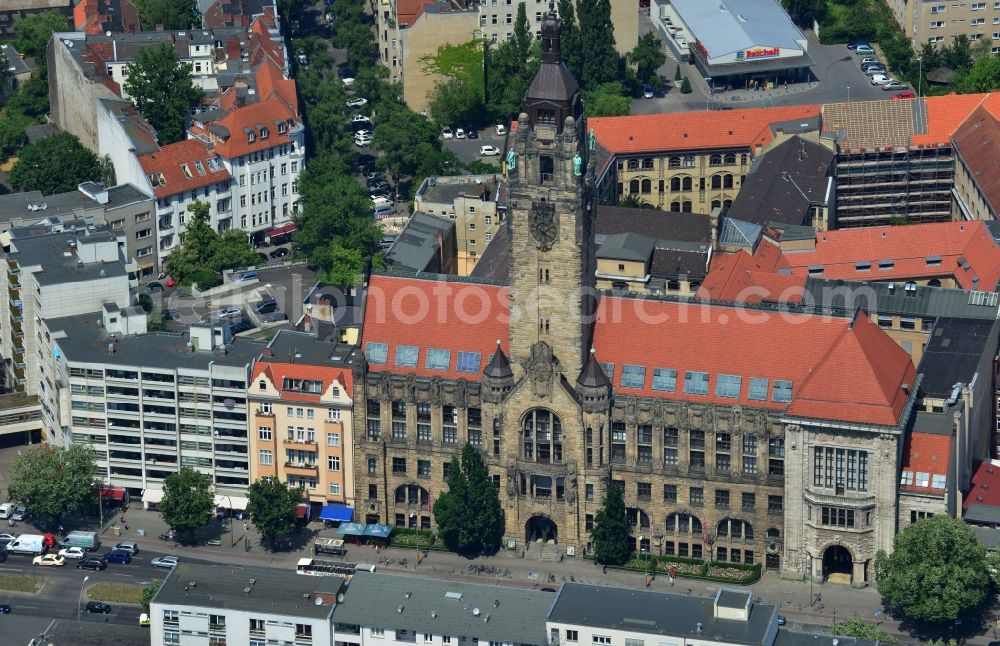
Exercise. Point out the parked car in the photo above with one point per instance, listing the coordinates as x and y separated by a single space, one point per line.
165 562
472 133
92 564
447 133
863 49
867 66
240 326
460 133
875 69
904 95
20 513
501 130
72 552
357 102
859 43
6 509
377 186
489 151
4 609
118 556
6 538
266 306
280 252
228 312
782 620
895 85
127 546
647 91
48 560
96 607
250 275
386 242
881 79
869 59
385 211
154 287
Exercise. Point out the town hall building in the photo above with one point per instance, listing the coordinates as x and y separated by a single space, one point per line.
749 434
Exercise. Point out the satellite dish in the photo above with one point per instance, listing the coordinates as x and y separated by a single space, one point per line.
318 601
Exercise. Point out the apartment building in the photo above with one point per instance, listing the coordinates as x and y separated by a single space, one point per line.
938 22
150 403
380 609
302 429
103 16
243 606
477 204
497 17
691 161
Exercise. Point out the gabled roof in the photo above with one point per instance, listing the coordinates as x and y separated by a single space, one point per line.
840 369
977 141
170 163
744 278
240 121
434 313
657 224
680 131
925 453
98 16
277 371
985 489
271 82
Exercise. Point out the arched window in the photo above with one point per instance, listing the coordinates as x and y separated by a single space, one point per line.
933 282
647 163
735 529
675 206
637 518
681 522
716 204
773 534
633 186
686 206
647 186
716 181
687 183
675 183
411 494
730 158
715 160
727 181
633 164
727 203
674 162
542 436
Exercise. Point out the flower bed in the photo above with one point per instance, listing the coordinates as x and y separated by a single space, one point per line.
733 573
414 539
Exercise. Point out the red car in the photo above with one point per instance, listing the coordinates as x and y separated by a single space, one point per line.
170 282
903 95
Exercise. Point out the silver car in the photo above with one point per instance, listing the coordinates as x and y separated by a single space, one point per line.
167 562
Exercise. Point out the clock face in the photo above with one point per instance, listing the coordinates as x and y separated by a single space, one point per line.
543 225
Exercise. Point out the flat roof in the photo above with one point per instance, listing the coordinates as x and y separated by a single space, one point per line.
447 189
459 609
85 342
953 353
887 298
306 348
418 244
49 251
643 611
273 591
725 26
124 195
15 205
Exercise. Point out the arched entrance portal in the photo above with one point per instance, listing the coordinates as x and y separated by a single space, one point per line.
541 529
837 564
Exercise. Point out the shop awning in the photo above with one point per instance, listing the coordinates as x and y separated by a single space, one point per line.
340 513
231 502
379 531
152 495
282 230
112 493
352 529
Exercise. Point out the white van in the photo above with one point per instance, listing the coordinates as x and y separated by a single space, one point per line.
6 510
381 201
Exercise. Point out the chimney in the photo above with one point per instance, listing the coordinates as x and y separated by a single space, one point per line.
266 352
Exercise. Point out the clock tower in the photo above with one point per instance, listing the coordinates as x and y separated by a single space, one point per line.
552 272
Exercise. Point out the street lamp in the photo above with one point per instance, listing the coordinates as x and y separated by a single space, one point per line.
232 536
79 599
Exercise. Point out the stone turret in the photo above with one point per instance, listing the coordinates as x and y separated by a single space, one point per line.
594 386
498 377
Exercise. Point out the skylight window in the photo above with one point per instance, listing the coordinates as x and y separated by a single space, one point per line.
437 359
696 383
376 352
469 362
923 479
782 391
758 389
815 269
186 171
198 166
406 356
633 376
609 369
907 478
862 266
213 164
664 379
938 481
728 386
886 264
933 261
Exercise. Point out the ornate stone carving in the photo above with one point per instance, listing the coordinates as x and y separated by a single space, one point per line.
460 393
511 481
682 415
540 368
736 422
659 413
435 393
543 224
410 388
385 386
631 415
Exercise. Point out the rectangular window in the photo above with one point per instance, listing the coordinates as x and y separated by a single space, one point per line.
633 376
775 504
728 386
572 636
376 352
603 640
664 379
696 383
749 501
469 362
333 463
333 439
782 391
722 498
758 389
669 493
264 433
266 457
406 356
437 359
696 496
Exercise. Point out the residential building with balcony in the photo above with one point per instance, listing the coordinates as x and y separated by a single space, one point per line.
150 403
938 22
301 426
244 606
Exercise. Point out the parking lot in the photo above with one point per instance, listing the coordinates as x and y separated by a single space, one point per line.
467 150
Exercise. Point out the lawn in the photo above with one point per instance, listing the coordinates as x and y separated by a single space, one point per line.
20 583
116 592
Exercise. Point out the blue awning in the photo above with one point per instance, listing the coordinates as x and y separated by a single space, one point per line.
336 512
379 531
353 529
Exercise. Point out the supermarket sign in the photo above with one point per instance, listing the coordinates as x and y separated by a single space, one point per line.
758 53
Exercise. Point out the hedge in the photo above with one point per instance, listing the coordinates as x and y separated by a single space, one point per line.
695 568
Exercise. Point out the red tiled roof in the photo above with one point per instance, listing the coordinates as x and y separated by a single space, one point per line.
428 313
120 15
926 453
168 161
693 130
958 244
740 277
408 11
944 115
277 371
839 370
267 113
985 489
271 82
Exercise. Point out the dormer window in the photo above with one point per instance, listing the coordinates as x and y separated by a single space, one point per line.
156 179
263 133
281 128
251 137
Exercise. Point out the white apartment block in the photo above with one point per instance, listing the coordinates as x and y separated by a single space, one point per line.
938 22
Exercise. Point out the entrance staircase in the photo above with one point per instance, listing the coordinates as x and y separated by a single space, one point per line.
539 551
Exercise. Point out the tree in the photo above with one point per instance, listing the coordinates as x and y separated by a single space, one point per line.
56 164
937 571
160 85
51 481
647 57
931 57
272 505
612 543
455 102
569 39
342 265
633 201
685 86
959 55
149 592
983 77
469 515
522 37
170 14
31 101
599 62
188 501
607 100
12 136
506 82
804 12
855 627
33 32
206 250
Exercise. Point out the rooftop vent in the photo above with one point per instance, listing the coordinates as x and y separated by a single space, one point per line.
475 612
453 595
399 609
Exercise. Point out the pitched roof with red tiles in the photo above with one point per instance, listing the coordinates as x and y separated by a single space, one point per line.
435 314
278 371
967 252
408 11
693 130
976 142
274 114
740 277
271 82
838 370
985 489
925 455
945 114
98 16
171 160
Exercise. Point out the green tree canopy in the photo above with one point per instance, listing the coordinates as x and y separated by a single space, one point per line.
855 627
33 32
607 100
569 39
171 14
469 516
454 102
983 77
31 101
599 62
149 592
188 502
56 164
937 570
647 57
522 36
51 481
612 543
206 250
12 136
271 503
160 85
804 12
507 80
959 54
